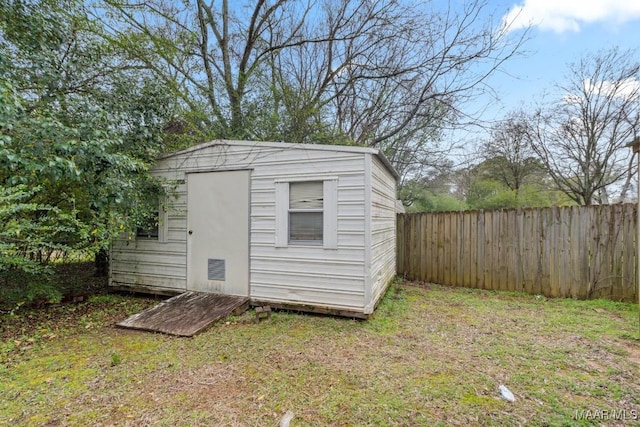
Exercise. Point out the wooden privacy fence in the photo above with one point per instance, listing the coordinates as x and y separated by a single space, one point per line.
577 251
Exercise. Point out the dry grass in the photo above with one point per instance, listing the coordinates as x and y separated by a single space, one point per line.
430 356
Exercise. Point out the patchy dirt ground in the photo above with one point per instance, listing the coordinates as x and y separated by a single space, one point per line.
430 356
87 305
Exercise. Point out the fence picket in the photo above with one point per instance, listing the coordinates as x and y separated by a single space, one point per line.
578 251
629 269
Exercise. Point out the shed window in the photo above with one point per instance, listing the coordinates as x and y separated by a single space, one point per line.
306 212
149 229
155 226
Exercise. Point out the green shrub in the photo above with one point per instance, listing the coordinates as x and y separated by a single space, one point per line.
18 289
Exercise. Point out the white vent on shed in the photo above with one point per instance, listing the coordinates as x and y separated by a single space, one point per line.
215 269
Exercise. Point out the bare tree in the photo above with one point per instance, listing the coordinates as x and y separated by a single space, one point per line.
380 73
509 154
581 138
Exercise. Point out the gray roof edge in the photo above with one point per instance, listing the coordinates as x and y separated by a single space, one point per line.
341 148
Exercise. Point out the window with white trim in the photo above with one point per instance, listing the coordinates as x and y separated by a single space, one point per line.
155 225
306 225
307 213
149 229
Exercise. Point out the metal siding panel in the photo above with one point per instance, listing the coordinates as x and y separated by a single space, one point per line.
334 278
383 261
158 282
336 298
330 216
368 283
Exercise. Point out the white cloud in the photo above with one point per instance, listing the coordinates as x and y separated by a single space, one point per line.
570 15
628 88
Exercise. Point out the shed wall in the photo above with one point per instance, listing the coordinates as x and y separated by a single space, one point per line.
305 274
150 263
383 230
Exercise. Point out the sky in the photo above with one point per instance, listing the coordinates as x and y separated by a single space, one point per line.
562 32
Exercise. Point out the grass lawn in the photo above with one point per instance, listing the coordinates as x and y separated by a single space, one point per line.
429 356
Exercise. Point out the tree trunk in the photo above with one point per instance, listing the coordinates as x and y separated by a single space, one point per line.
101 263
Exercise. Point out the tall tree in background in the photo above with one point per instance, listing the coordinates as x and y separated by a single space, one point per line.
581 138
509 155
79 127
374 73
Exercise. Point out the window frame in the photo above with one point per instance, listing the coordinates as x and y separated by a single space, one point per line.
303 242
329 213
161 216
150 230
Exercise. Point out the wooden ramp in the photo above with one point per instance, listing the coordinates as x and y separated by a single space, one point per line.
186 314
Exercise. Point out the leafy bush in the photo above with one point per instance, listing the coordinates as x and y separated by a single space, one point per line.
26 289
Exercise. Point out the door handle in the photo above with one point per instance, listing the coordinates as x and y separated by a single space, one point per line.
190 232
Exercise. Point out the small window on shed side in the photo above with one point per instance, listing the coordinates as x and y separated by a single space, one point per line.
305 212
150 228
154 227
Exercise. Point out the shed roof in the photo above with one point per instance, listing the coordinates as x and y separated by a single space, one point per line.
289 146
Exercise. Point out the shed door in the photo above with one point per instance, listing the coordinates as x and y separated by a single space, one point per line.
218 232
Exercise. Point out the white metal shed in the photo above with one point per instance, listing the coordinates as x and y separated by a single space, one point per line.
309 227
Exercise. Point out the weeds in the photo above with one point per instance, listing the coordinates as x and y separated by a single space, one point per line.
430 355
116 359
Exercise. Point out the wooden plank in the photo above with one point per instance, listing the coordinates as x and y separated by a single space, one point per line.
458 237
409 237
562 260
479 247
305 308
446 253
584 260
415 246
406 242
407 248
617 253
416 249
424 245
186 314
496 249
574 276
545 251
518 254
399 244
534 259
525 247
629 269
503 242
594 250
510 236
433 248
533 243
599 235
407 245
487 266
586 230
465 264
425 254
410 230
438 248
552 249
454 253
607 273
